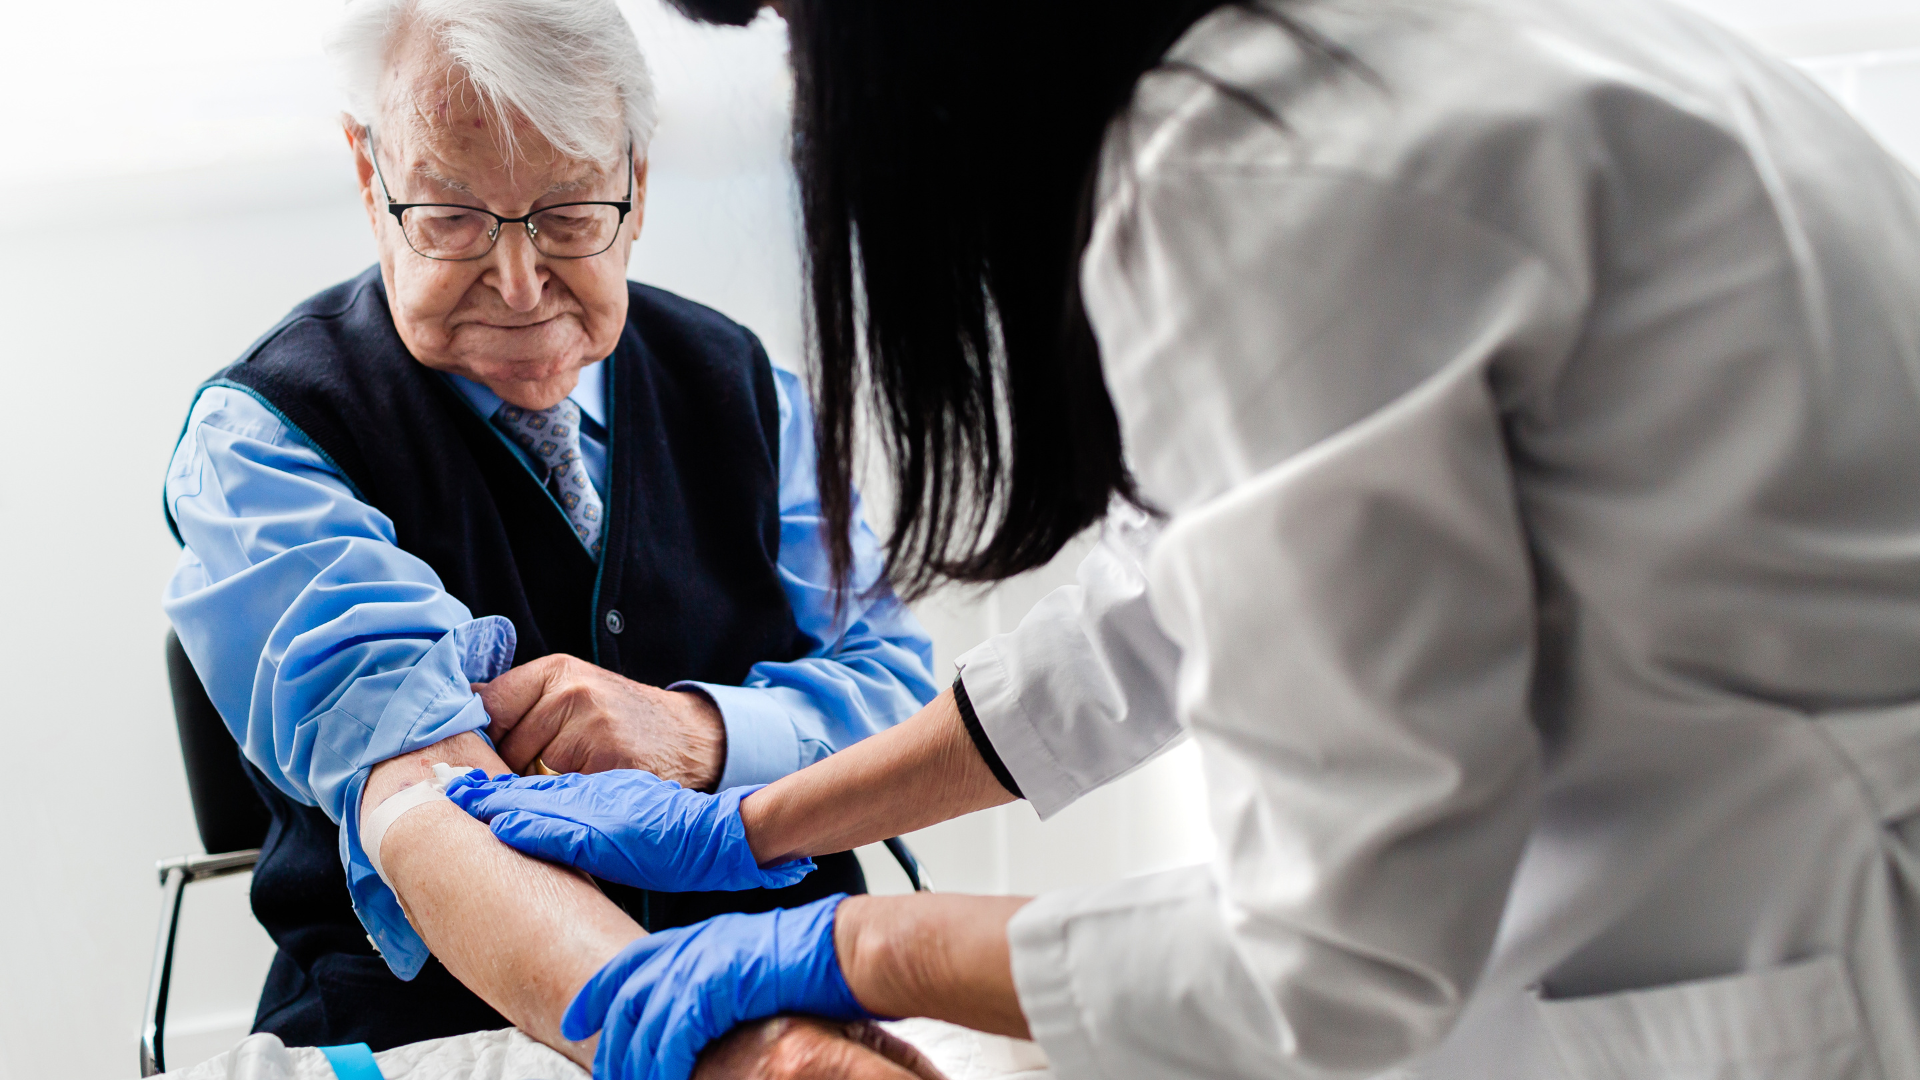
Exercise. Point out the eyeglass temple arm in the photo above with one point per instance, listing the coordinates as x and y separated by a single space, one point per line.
373 157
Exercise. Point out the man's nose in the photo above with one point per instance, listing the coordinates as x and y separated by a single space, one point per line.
517 274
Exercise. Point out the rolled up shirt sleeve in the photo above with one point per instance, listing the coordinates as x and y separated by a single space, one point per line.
1081 692
870 665
324 646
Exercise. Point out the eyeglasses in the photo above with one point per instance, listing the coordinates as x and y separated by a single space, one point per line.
453 233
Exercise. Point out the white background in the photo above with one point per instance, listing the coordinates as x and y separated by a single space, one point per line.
174 181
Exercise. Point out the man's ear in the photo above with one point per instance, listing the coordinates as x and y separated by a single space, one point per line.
356 134
639 194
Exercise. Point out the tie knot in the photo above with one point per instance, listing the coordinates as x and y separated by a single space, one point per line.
552 435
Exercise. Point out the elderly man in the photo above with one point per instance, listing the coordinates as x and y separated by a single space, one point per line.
489 451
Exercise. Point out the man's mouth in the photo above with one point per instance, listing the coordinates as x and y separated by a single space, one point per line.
516 325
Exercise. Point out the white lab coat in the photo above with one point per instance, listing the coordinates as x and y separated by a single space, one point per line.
1538 417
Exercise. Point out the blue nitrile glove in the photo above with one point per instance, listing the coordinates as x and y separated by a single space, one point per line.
625 826
665 997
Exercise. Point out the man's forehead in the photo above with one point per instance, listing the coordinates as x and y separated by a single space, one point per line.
457 163
446 132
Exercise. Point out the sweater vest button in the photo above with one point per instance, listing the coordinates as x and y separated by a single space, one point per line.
615 621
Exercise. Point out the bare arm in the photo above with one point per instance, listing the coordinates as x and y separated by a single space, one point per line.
525 935
522 934
942 956
939 955
920 773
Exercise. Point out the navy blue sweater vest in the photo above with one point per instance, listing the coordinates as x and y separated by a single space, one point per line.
688 588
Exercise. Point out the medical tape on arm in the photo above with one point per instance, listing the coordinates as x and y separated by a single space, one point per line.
373 830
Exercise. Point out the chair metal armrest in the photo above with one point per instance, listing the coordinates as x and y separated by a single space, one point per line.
175 875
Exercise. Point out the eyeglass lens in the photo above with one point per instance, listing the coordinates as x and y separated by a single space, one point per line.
566 232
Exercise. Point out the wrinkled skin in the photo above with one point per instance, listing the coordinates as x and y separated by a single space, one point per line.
523 325
807 1048
522 934
576 717
515 321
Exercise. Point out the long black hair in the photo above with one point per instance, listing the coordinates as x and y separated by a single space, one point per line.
946 154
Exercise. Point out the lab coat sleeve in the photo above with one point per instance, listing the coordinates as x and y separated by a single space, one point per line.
1080 693
1310 371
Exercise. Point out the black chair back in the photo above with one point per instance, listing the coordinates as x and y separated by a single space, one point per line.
227 809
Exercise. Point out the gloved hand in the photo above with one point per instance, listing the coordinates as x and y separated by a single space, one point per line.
625 826
665 997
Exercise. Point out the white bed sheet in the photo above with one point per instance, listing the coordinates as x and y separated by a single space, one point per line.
509 1055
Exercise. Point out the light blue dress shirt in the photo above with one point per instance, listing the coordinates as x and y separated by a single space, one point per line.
328 649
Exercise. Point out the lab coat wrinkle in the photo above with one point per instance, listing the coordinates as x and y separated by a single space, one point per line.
1537 418
1091 658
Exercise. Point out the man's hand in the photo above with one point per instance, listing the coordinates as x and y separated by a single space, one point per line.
808 1048
576 717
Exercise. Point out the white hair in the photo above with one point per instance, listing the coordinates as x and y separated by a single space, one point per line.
570 68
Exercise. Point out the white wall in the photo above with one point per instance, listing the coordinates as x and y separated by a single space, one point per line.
197 137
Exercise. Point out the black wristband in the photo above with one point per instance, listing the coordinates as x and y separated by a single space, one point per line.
980 741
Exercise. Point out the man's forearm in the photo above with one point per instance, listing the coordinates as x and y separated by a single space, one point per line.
920 773
522 934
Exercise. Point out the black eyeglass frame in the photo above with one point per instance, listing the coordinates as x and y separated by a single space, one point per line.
525 221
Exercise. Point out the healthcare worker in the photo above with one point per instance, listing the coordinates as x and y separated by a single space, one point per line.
1525 400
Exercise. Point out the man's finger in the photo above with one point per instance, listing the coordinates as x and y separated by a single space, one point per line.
749 1052
857 1062
508 697
802 1048
894 1049
535 731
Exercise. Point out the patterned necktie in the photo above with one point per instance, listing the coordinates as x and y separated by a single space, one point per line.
552 436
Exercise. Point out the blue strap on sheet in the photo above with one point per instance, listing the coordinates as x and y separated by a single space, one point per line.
352 1062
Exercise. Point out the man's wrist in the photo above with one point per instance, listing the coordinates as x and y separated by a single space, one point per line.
706 736
762 744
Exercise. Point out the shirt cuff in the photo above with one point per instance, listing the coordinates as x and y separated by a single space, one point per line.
762 745
486 647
